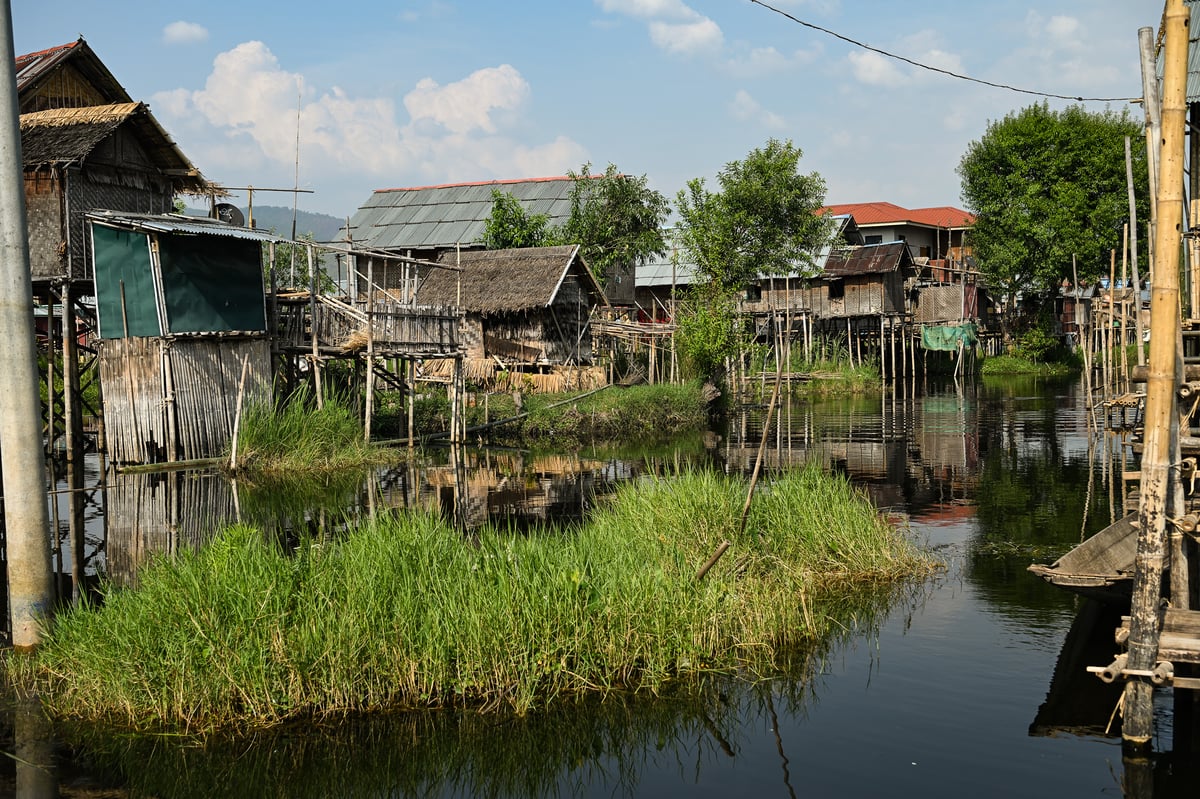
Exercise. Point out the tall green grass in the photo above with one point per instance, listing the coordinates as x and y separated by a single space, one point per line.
406 612
300 439
636 413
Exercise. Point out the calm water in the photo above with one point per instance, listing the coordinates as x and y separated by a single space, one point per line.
944 691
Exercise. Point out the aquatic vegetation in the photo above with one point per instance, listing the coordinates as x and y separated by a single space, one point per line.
301 439
404 611
1021 365
635 413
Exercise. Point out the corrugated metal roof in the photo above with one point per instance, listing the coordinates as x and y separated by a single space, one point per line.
174 223
868 259
33 68
660 271
1193 78
446 215
885 213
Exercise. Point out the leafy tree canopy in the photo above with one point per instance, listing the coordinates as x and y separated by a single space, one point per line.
509 225
1048 185
763 220
616 219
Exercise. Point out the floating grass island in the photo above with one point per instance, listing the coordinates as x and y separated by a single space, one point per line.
405 612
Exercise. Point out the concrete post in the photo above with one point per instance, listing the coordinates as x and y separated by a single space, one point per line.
25 516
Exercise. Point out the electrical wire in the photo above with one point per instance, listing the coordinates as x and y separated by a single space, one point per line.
946 72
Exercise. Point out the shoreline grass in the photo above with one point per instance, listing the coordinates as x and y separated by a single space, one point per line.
299 439
405 612
633 413
1020 365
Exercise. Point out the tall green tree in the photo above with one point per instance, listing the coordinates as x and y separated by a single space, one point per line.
616 219
509 225
1046 186
763 220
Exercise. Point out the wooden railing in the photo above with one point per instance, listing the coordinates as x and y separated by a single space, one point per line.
393 326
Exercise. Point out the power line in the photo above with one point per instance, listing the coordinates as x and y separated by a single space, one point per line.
946 72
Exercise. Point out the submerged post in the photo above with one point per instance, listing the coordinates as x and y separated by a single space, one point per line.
24 467
1138 723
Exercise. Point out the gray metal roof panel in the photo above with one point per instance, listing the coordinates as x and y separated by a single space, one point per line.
172 223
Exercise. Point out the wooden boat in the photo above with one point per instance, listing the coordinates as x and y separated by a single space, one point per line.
1100 567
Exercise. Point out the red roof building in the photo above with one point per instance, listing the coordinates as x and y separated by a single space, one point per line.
934 233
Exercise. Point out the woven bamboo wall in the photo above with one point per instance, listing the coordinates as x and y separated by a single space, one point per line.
939 304
175 400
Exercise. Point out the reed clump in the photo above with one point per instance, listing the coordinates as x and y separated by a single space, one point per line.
405 612
301 439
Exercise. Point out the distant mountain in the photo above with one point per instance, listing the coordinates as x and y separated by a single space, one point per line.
323 227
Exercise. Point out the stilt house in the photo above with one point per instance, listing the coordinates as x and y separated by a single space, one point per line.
182 318
85 145
523 306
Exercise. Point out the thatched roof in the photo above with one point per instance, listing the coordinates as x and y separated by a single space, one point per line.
64 136
495 281
868 259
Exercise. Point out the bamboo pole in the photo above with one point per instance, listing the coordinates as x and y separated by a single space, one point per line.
1138 727
370 399
237 415
1110 329
318 389
1132 232
1125 305
1152 108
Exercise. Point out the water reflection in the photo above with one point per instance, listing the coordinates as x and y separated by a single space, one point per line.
619 744
938 701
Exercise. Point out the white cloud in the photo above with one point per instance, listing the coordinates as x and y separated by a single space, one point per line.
876 70
687 37
762 61
242 125
746 109
468 104
674 26
649 9
184 33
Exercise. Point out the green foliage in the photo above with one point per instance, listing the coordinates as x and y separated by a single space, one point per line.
1019 365
301 439
510 226
1047 186
405 611
615 218
705 334
644 413
291 265
637 413
1036 343
763 219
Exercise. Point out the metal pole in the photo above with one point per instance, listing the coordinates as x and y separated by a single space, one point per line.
1138 726
24 468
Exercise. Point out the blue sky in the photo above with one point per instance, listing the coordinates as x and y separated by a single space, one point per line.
397 94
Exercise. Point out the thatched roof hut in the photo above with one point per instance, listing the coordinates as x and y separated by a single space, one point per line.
68 136
114 156
528 305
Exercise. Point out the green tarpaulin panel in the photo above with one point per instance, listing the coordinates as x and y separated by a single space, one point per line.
122 261
212 283
949 338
